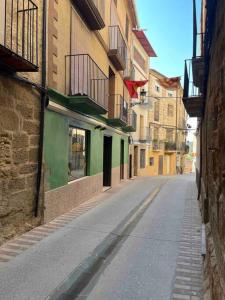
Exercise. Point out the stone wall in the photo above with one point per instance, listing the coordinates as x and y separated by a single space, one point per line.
19 138
213 162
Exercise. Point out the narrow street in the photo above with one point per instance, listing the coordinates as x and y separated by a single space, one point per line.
140 240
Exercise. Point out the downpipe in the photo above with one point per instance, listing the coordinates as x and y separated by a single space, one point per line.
44 101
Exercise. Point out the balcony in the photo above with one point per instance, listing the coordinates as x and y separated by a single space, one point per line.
92 11
145 135
18 36
170 147
117 48
132 121
86 85
118 112
157 145
198 62
193 98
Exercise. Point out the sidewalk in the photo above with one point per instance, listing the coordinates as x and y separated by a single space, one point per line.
33 265
188 282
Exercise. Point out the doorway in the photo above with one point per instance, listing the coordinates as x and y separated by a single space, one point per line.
130 166
107 161
121 159
135 160
160 164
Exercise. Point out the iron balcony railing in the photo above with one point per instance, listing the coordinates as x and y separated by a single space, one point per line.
117 43
92 11
19 28
145 135
85 78
119 108
170 146
193 97
190 90
157 145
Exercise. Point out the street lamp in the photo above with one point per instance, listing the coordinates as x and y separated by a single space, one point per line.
143 94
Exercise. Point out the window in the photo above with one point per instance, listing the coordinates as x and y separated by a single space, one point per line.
151 161
142 158
170 110
127 27
156 111
169 135
156 134
77 167
139 59
157 88
170 95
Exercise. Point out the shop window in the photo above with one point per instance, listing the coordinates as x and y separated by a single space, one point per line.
142 158
151 161
77 167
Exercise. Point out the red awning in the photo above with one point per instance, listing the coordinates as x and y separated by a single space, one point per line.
144 42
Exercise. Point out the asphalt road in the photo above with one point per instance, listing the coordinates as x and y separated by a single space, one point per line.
140 264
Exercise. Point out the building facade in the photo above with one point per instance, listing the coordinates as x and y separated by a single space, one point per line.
141 53
21 102
167 126
87 121
206 102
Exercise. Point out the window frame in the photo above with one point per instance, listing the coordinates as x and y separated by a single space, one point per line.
71 178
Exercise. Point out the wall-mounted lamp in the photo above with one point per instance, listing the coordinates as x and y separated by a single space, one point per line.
143 95
98 127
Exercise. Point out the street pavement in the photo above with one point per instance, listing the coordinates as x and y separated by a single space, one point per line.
125 245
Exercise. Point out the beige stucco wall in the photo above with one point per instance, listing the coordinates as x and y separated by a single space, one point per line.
65 198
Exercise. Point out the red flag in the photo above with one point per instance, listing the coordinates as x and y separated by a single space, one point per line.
132 86
170 83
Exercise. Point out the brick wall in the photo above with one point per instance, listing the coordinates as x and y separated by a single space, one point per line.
213 165
19 138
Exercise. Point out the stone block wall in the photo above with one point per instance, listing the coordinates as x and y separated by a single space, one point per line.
19 139
213 165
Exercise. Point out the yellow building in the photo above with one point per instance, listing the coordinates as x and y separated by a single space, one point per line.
140 139
167 123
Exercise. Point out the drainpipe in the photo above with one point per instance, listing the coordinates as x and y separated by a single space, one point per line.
42 113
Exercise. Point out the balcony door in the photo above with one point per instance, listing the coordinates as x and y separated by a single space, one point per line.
112 88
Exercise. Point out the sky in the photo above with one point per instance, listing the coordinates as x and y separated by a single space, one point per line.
168 25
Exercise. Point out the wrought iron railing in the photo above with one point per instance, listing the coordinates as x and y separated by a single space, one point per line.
157 144
117 42
190 90
170 146
85 78
119 108
19 28
132 119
